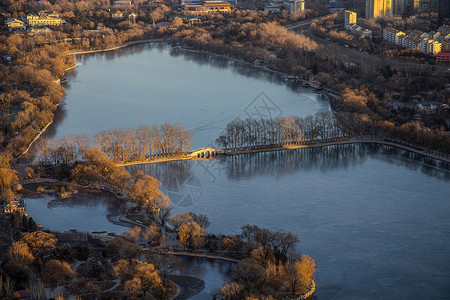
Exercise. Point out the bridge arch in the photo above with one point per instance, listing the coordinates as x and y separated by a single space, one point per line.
206 153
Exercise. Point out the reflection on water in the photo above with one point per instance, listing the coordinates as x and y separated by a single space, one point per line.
199 91
213 272
374 217
85 214
200 58
284 163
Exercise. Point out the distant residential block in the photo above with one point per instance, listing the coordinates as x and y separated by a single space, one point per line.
271 8
411 42
434 35
430 46
444 29
359 31
297 5
378 8
392 35
418 34
350 17
443 58
414 39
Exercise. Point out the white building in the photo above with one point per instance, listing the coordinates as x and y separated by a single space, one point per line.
392 35
411 42
360 31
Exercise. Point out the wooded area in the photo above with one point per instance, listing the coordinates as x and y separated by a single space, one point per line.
121 145
322 127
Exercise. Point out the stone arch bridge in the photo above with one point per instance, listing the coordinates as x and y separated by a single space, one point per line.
206 152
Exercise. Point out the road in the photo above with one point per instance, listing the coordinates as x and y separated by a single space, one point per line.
304 28
300 25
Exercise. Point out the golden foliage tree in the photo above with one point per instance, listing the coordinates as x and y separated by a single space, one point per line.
8 179
146 194
133 287
98 167
180 219
300 274
55 271
133 233
20 253
128 269
230 291
39 242
191 235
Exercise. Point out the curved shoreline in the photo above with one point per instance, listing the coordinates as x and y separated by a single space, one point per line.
124 45
131 43
328 94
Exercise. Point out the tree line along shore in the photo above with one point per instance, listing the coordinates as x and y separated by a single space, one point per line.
366 89
31 69
89 265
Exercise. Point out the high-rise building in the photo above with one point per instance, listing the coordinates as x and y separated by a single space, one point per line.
402 7
350 17
297 5
442 7
409 7
427 5
378 8
385 8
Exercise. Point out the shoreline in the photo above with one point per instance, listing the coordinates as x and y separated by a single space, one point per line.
58 81
355 141
131 43
328 94
229 259
127 44
37 136
294 147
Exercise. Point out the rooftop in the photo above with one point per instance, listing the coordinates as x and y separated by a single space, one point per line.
413 39
390 29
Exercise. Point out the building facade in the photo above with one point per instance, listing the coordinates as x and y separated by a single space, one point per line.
33 20
378 8
350 17
443 58
13 206
297 5
392 35
13 24
207 7
414 39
